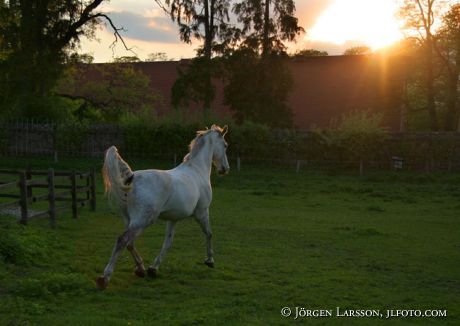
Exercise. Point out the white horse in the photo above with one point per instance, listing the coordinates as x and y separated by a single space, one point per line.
148 195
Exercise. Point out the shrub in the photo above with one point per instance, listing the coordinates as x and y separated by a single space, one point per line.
356 136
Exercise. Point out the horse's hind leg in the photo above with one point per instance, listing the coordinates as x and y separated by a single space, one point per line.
140 269
127 237
169 235
203 220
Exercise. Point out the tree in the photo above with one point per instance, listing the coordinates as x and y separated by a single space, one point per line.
205 20
257 89
259 80
35 38
157 56
358 50
127 59
420 17
267 24
310 53
448 50
106 91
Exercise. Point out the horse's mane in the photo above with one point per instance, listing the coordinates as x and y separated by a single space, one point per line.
198 142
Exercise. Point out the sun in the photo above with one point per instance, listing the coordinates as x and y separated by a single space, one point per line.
372 23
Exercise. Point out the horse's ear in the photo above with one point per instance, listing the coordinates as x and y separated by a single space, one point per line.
224 130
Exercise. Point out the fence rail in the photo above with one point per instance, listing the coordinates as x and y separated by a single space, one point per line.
22 191
423 151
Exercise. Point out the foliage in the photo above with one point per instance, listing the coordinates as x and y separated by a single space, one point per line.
419 17
207 21
258 79
157 56
157 137
267 24
262 30
70 135
358 50
257 88
448 51
200 19
309 53
107 91
356 135
192 85
432 91
259 135
126 59
35 37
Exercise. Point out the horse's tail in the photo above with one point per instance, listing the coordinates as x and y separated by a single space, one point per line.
117 175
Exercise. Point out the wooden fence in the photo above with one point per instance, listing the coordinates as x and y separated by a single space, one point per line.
57 186
414 151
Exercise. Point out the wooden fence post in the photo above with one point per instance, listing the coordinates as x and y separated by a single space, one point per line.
51 198
238 164
88 188
297 170
73 180
23 194
29 177
93 189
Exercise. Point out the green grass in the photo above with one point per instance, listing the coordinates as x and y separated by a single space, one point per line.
385 241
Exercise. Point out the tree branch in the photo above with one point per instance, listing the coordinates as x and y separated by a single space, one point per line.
163 7
85 17
84 98
116 33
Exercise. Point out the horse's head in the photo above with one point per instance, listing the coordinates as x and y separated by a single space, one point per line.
219 155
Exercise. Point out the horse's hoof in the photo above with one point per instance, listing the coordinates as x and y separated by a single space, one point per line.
209 263
152 272
102 282
140 271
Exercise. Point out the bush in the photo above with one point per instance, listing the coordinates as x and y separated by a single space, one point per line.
356 136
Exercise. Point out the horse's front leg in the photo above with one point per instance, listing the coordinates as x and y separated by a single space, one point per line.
203 220
127 237
167 243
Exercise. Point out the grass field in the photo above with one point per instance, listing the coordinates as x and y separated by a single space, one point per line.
318 241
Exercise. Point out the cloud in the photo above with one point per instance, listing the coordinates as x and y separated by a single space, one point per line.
139 27
150 30
309 11
102 51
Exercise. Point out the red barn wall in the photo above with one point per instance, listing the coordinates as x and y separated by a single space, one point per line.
324 88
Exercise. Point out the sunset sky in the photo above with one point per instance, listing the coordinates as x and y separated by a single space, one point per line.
331 25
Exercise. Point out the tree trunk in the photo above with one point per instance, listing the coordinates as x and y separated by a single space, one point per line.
266 36
209 37
207 30
452 114
429 84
